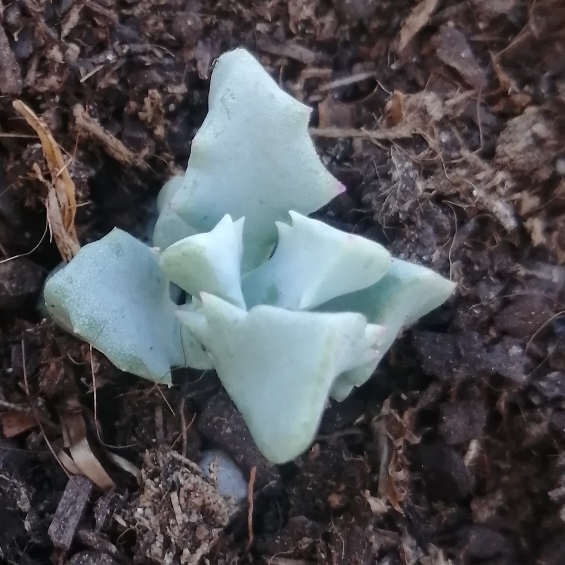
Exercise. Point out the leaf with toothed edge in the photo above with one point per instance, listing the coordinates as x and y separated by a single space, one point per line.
313 263
406 293
252 158
208 262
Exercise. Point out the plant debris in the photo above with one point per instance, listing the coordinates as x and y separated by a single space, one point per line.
179 514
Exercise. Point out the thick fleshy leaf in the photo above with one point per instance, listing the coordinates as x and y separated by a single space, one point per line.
192 348
252 158
114 296
169 228
278 366
313 263
170 188
208 262
345 383
405 294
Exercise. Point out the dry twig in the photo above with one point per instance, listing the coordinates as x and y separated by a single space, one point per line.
250 488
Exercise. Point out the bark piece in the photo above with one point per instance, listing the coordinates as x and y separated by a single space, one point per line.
69 512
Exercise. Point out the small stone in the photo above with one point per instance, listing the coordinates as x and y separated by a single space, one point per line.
20 281
229 478
551 386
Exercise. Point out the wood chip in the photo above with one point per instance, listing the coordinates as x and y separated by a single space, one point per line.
69 512
60 203
402 131
415 22
113 146
103 549
290 50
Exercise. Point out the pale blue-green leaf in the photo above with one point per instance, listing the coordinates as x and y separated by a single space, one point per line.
312 264
114 296
278 366
192 347
170 188
169 228
252 158
208 262
405 294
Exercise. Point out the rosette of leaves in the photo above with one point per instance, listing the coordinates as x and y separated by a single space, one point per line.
286 309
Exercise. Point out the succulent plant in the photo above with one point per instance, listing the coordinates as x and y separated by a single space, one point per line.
286 309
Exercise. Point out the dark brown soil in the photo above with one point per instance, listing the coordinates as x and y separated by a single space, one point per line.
446 121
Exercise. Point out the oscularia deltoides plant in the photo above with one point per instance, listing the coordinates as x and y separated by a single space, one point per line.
286 309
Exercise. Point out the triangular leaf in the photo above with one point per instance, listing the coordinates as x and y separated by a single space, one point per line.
252 158
313 263
406 293
208 262
278 366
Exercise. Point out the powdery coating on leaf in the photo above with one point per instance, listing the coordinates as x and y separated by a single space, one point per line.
169 227
252 158
278 366
115 297
208 262
405 294
313 263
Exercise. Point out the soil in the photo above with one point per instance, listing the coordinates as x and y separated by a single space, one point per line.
446 122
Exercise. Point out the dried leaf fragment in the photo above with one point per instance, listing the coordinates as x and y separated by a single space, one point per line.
61 202
394 109
74 434
392 433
